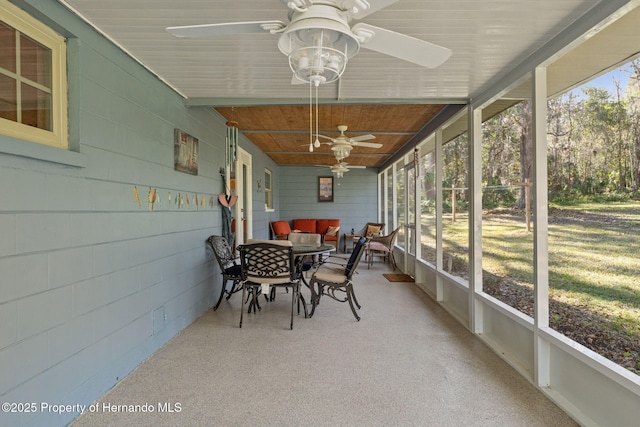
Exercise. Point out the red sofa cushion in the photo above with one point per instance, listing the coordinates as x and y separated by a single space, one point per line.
305 225
323 225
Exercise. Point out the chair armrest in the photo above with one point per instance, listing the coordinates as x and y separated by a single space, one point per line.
385 240
342 264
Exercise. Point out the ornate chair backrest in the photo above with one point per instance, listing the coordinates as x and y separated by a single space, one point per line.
307 239
222 251
267 261
354 259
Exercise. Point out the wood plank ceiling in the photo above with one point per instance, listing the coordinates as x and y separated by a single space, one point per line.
282 132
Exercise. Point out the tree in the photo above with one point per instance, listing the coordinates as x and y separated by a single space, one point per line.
561 128
526 148
633 114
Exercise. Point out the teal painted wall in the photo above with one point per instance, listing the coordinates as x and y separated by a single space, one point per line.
354 203
91 283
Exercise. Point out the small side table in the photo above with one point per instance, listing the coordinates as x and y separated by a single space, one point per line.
347 237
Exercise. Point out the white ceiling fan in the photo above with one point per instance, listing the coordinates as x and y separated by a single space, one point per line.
343 144
340 168
318 40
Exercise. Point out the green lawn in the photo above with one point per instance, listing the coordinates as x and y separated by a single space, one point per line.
594 270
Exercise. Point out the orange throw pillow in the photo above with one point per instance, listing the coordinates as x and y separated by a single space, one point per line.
332 231
372 230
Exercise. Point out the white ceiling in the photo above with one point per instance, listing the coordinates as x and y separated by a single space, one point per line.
488 39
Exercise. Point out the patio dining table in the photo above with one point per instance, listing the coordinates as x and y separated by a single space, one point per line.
301 252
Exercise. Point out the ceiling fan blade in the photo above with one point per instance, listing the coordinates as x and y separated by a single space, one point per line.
356 167
362 138
326 137
374 6
366 144
401 46
227 28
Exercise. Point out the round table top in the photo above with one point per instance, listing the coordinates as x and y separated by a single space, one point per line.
312 249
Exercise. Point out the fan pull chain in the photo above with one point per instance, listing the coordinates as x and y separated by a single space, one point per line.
310 119
317 143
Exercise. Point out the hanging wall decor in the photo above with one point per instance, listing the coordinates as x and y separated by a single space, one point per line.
185 153
232 144
325 189
136 196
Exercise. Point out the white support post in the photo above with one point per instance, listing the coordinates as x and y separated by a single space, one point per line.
394 200
475 219
540 226
385 198
417 210
439 250
380 196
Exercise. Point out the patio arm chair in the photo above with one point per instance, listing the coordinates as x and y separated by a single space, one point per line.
335 281
370 229
229 267
382 246
268 262
280 229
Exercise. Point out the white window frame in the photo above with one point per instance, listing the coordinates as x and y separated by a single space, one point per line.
268 191
30 27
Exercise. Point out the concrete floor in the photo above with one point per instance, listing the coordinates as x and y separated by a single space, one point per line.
406 363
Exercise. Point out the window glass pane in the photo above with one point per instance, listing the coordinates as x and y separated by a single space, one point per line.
268 195
268 200
388 219
267 180
7 48
36 107
411 206
35 61
594 213
381 196
455 207
400 197
427 206
32 90
8 99
507 239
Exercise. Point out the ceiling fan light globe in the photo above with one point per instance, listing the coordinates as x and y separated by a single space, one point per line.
303 62
323 36
340 153
319 25
317 64
337 63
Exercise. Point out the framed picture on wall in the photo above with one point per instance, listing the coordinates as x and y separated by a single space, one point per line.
185 153
325 189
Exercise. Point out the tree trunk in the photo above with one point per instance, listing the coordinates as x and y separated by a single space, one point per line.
525 150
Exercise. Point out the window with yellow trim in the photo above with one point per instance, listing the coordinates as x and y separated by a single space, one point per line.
33 103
